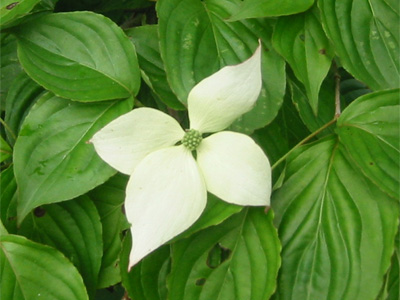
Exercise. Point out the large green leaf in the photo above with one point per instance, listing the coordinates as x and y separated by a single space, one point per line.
370 130
22 94
52 158
337 228
301 40
269 8
80 55
8 199
146 41
33 271
196 40
11 10
238 259
9 65
366 38
109 199
72 227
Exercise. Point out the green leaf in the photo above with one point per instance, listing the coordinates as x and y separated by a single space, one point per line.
79 55
73 228
52 158
216 212
196 40
365 35
32 271
370 130
147 279
146 41
393 276
269 8
350 88
22 94
238 259
301 40
9 65
8 199
11 10
109 199
326 103
107 6
337 228
3 230
5 150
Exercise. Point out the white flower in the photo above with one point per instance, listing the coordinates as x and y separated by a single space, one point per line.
167 189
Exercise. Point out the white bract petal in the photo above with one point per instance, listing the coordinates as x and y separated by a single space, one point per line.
124 142
235 168
165 195
216 101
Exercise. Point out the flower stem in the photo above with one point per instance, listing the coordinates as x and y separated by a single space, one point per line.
8 128
337 115
306 139
337 92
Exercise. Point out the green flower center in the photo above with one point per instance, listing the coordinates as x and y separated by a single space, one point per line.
192 139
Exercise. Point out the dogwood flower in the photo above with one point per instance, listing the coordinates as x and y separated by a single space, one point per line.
167 189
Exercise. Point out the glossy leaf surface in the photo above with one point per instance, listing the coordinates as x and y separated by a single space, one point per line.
237 259
302 41
109 199
73 228
196 41
370 130
80 55
365 38
53 161
337 228
145 39
25 272
269 8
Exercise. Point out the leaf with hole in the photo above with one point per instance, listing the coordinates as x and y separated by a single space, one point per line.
238 259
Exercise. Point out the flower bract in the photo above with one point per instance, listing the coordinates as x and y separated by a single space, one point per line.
167 189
